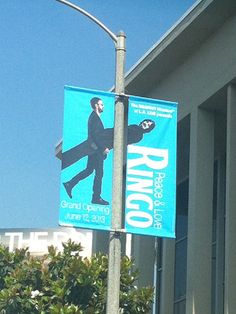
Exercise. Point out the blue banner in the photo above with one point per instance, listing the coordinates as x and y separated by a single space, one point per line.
86 176
151 167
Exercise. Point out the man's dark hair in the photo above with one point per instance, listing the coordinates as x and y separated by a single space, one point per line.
94 101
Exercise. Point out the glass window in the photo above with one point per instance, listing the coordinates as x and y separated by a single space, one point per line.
180 269
179 307
182 210
158 276
181 247
218 230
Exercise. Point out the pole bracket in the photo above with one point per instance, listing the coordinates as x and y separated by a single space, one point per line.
122 98
117 231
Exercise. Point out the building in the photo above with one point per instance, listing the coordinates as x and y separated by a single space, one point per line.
195 65
38 240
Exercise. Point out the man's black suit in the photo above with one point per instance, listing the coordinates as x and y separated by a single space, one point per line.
95 161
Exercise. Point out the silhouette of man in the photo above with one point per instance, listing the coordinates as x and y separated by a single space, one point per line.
95 161
134 135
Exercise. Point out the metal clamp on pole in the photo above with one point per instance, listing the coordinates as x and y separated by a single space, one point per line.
122 97
118 230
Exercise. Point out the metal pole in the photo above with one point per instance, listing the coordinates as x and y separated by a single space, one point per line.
113 284
91 17
113 289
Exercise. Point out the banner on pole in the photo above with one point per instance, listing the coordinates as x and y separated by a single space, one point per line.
151 167
86 176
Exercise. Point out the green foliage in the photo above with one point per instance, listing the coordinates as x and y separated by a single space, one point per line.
9 261
65 283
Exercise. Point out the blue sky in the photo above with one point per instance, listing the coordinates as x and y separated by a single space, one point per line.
45 45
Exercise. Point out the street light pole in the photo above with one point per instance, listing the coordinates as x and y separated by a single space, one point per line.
113 289
113 286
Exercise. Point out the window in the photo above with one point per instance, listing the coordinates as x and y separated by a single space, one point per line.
181 247
158 268
217 297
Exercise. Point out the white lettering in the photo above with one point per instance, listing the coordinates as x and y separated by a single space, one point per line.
147 152
12 236
141 173
65 204
138 197
133 215
140 185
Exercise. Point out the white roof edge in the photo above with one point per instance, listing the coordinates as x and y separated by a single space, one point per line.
164 36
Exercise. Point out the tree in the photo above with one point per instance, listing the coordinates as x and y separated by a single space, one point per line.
65 283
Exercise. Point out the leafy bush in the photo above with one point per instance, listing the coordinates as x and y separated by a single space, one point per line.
65 283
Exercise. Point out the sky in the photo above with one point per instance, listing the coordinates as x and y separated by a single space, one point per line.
45 45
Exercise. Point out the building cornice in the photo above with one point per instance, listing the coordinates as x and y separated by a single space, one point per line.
197 24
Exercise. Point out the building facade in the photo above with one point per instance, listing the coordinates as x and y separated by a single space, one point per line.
195 65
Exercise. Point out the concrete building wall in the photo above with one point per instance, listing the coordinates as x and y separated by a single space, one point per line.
208 69
196 274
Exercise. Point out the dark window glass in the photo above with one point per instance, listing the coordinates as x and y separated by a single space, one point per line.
179 307
182 210
180 269
181 247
